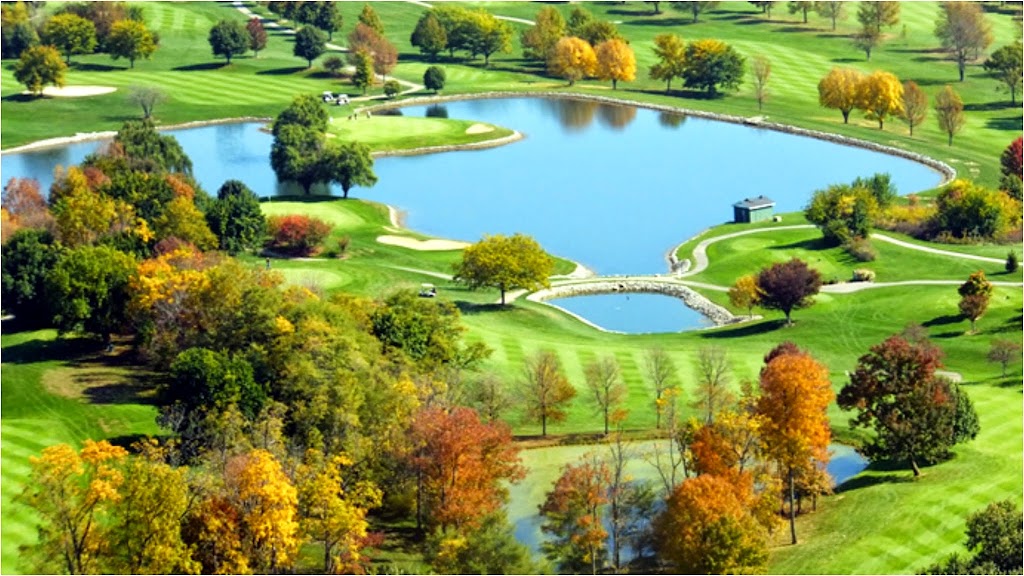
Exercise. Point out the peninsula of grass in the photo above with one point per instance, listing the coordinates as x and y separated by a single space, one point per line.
405 133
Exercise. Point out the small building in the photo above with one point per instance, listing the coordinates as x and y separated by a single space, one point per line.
760 209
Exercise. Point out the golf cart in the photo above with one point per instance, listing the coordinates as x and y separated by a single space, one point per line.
427 291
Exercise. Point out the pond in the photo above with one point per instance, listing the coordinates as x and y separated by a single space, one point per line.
634 313
544 465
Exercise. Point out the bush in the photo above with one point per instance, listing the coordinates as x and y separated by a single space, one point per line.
392 87
333 65
969 211
434 78
296 234
861 249
863 275
1012 262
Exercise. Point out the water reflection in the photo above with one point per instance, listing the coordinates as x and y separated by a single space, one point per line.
671 119
615 116
437 111
573 115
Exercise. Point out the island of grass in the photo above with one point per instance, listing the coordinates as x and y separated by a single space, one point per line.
394 134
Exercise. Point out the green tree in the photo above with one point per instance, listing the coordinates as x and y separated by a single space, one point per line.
671 53
236 219
296 155
88 290
966 210
711 64
151 151
456 23
328 18
17 33
228 38
488 35
504 262
427 330
1007 65
603 378
348 164
132 40
257 35
202 379
1012 262
539 40
307 111
434 78
363 77
787 286
429 36
71 34
27 258
392 87
695 8
995 534
963 31
800 8
873 17
39 66
835 10
369 17
490 548
310 43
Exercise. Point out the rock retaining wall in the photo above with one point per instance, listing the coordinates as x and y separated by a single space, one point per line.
720 316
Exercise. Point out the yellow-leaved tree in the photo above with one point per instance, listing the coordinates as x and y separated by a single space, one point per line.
573 59
615 61
838 90
880 95
504 262
266 503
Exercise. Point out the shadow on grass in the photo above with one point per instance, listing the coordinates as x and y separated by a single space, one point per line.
987 106
90 67
811 244
796 29
661 22
1008 123
862 481
282 71
472 308
200 67
127 441
744 330
19 97
48 350
943 320
625 12
847 60
133 392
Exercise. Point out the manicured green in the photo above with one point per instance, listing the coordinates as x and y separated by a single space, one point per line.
389 133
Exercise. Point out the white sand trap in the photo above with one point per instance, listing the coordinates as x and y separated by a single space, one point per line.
414 244
479 129
76 91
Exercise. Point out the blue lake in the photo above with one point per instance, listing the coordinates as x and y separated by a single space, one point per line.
635 312
613 187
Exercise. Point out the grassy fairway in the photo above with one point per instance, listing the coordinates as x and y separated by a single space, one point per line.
389 133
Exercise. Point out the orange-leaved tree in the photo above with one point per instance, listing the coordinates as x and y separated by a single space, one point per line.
572 515
615 61
573 59
546 390
795 394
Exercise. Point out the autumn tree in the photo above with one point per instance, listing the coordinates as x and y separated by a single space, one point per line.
488 35
762 69
707 527
880 95
834 10
963 32
546 390
572 59
429 36
572 513
712 374
975 294
369 17
363 76
39 66
615 62
843 212
787 286
228 38
660 372
266 502
795 394
745 293
967 210
257 35
491 396
949 111
671 53
1003 351
70 33
71 492
461 464
603 378
838 90
539 40
1007 65
915 105
896 392
711 64
504 262
25 207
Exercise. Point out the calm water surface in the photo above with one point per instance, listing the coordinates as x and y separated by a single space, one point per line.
634 313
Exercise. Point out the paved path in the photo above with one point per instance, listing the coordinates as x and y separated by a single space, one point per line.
891 240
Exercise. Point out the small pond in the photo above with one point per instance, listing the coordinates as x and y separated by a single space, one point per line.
634 313
544 465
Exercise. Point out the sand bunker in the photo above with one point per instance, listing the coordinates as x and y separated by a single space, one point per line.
479 129
414 244
76 91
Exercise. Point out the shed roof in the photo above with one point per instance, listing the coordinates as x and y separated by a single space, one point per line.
755 203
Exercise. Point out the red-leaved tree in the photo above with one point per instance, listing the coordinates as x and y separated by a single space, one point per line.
296 234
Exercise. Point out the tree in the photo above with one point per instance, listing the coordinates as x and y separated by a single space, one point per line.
604 381
795 394
671 53
915 105
878 15
38 67
745 293
349 164
1007 65
540 39
835 10
546 390
434 78
266 503
711 64
572 514
257 34
429 36
461 464
615 62
208 380
787 286
295 155
659 370
17 33
296 234
975 294
1012 262
456 23
949 111
895 391
762 71
182 220
147 97
71 34
966 210
492 397
363 76
27 258
25 207
880 95
766 8
1011 161
707 528
228 38
310 43
391 88
695 8
995 533
369 17
963 31
71 491
712 394
88 290
328 18
801 8
505 262
572 59
867 40
236 219
597 31
427 331
132 40
842 212
488 35
838 89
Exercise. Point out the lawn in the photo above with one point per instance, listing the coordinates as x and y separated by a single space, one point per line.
390 133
